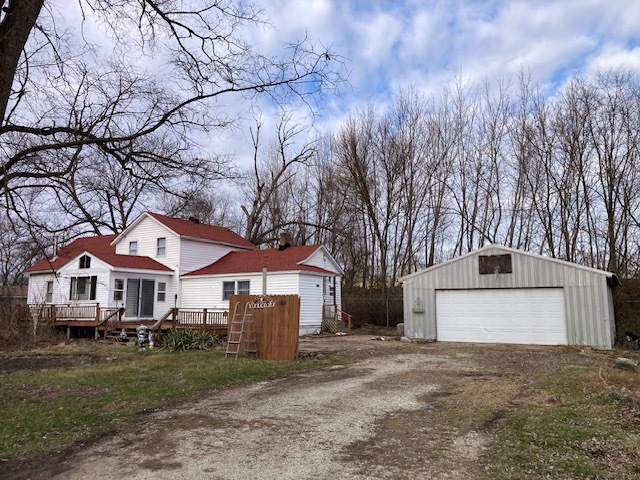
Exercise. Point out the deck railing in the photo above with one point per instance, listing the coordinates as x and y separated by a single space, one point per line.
202 318
66 313
112 318
332 319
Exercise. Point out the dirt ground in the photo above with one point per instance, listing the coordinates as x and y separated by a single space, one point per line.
398 411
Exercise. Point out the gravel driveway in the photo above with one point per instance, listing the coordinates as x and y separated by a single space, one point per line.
398 411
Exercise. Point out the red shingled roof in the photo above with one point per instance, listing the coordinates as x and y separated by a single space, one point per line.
188 228
100 247
96 244
132 261
251 262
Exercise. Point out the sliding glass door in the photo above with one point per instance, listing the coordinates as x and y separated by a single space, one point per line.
140 296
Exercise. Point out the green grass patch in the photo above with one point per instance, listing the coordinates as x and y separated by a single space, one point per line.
578 432
44 410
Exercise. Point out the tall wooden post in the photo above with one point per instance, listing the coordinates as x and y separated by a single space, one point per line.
204 319
97 320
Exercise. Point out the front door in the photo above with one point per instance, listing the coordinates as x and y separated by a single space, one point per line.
329 291
147 291
140 296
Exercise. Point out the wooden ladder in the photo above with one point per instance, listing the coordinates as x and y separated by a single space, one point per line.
242 332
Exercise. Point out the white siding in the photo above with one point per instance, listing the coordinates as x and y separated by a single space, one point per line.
279 283
37 292
182 255
147 233
206 291
311 303
195 254
98 269
321 259
339 293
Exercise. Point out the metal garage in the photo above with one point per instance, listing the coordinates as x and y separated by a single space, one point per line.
502 295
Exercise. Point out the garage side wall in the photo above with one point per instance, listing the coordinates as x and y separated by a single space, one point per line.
589 309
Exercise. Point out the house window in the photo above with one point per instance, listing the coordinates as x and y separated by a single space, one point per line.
243 288
133 248
85 261
49 297
118 290
228 289
83 288
162 247
162 291
231 288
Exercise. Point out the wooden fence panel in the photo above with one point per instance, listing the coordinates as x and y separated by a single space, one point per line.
277 327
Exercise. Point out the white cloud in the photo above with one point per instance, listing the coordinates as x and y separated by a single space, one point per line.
427 43
614 56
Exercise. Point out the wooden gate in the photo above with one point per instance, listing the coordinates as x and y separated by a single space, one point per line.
277 321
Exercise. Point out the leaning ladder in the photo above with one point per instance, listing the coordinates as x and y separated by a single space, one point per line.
242 332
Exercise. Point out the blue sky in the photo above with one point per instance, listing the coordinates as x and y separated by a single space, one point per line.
426 43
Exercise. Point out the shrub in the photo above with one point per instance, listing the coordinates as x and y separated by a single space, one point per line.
180 340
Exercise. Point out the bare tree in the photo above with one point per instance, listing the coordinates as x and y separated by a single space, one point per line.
105 197
267 206
62 103
558 175
614 135
214 207
17 250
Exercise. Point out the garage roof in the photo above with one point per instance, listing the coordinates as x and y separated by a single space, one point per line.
612 277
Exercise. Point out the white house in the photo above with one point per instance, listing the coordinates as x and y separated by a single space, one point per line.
308 271
160 262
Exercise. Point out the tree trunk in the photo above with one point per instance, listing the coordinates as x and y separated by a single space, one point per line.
19 18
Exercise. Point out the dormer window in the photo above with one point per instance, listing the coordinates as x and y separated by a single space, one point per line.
133 248
162 247
85 261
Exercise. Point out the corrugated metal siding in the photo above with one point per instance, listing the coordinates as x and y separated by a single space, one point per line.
587 297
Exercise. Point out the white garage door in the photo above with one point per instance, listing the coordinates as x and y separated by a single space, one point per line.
523 315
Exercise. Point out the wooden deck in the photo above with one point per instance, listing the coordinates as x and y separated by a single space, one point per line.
110 319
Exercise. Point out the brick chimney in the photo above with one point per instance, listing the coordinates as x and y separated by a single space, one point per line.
286 240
